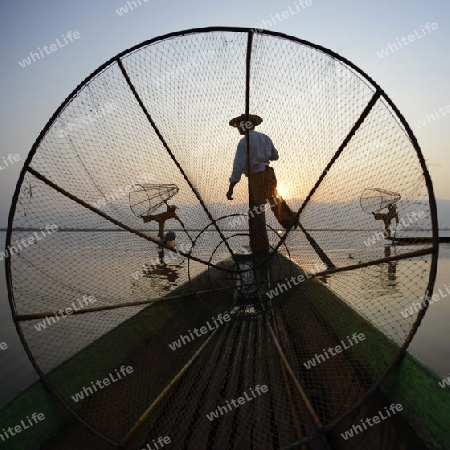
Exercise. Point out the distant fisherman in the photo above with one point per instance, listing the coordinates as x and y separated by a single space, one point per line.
161 219
387 218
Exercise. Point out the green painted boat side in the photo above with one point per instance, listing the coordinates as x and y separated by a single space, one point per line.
70 376
426 406
36 398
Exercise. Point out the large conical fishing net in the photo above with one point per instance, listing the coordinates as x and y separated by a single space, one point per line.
208 345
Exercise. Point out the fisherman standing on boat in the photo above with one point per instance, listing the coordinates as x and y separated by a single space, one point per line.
263 183
161 219
387 218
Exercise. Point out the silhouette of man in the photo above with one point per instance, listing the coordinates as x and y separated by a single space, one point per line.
263 183
387 218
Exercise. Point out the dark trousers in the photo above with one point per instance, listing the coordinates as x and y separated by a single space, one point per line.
263 190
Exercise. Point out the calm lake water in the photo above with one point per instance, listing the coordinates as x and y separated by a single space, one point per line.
430 343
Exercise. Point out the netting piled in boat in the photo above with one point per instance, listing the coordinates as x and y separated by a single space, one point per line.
204 342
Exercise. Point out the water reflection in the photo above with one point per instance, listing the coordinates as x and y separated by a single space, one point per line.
161 276
391 280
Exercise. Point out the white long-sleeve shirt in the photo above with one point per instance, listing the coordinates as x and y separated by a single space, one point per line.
262 151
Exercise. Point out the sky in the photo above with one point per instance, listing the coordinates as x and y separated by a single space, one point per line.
415 76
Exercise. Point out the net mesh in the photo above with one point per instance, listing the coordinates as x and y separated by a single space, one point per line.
201 343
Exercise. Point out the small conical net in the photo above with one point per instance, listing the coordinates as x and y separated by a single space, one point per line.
148 198
374 200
